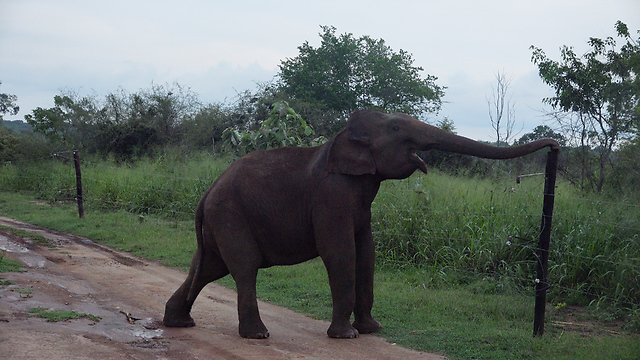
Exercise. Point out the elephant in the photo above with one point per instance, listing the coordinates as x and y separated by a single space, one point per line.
288 205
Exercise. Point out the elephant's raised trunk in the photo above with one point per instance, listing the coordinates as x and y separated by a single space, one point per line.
450 142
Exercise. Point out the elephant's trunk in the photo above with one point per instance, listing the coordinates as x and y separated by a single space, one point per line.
450 142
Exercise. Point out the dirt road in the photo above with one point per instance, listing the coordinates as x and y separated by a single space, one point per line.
128 294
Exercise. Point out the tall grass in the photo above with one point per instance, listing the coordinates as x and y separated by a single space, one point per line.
457 228
489 228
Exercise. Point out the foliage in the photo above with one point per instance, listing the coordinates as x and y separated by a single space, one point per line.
8 145
453 311
450 223
8 104
126 125
17 126
626 175
204 130
447 124
68 122
283 127
540 132
346 73
597 95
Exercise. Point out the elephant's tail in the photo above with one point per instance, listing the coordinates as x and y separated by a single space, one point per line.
200 249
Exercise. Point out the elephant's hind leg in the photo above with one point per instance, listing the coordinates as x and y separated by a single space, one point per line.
244 274
179 306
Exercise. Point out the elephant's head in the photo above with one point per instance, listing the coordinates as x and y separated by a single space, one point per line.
386 145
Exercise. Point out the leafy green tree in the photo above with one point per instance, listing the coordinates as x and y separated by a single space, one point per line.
124 124
8 141
346 73
542 131
8 104
134 125
597 96
8 145
447 124
627 174
283 127
204 130
69 121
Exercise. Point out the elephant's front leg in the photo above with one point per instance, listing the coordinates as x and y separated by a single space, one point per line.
342 281
365 268
337 249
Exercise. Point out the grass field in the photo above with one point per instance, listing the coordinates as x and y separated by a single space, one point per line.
455 255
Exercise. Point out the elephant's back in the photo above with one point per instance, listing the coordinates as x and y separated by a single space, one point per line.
267 193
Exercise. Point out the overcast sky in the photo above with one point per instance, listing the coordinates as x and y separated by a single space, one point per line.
221 48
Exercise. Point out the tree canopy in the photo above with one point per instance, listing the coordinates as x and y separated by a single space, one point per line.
597 95
8 104
346 73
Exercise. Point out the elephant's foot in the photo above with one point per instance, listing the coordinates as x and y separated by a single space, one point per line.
173 320
254 331
342 331
367 325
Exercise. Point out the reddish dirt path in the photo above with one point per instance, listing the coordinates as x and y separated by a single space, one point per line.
79 275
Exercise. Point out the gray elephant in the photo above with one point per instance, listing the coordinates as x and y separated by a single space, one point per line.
289 205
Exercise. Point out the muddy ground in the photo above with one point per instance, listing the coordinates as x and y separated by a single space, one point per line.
128 294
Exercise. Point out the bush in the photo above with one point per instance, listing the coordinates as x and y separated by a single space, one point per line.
283 128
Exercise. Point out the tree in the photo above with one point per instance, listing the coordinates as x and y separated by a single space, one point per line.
124 124
69 121
539 132
346 73
205 129
502 112
8 104
8 141
597 96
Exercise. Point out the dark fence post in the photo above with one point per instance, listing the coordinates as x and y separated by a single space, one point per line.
543 246
76 161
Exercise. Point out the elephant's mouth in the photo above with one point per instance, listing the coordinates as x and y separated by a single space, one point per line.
417 161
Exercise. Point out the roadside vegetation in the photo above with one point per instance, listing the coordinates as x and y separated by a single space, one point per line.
456 250
463 314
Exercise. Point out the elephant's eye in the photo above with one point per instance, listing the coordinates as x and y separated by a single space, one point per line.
395 128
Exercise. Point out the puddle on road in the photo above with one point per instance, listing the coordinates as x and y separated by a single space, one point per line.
26 256
10 246
147 334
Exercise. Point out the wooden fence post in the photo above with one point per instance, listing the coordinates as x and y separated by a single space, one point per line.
542 283
76 161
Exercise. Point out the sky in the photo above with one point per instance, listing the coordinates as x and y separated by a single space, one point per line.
218 49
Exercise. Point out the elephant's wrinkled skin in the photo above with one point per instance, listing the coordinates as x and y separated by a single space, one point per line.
288 205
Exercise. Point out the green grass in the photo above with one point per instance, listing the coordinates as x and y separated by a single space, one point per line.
38 239
455 265
25 292
426 308
61 315
169 241
9 265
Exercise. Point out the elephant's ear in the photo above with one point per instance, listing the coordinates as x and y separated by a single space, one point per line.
349 154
